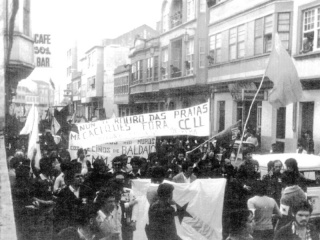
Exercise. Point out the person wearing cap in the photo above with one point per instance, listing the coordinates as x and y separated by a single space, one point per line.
161 215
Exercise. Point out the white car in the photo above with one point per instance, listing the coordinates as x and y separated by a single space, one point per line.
309 166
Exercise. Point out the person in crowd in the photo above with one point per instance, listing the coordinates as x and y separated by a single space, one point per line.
299 228
176 164
186 176
117 166
300 149
95 180
292 195
68 201
88 226
107 217
42 197
264 208
135 165
21 185
125 165
273 180
252 138
85 164
292 167
248 172
158 174
59 182
205 169
161 216
228 170
69 233
241 225
307 142
125 200
47 141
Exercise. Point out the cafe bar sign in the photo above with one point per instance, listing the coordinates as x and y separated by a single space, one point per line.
42 50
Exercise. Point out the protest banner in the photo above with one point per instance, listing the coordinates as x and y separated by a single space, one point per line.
196 218
188 121
137 147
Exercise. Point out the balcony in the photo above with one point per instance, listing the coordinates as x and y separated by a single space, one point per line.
176 19
21 62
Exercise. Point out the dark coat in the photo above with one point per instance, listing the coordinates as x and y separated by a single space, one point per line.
286 233
161 222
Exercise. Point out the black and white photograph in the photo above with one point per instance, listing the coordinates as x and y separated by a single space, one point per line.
159 120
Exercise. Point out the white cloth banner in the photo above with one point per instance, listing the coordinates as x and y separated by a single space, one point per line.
138 147
202 199
32 128
188 121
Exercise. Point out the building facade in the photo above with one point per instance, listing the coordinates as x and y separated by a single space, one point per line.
240 42
169 72
306 53
90 76
121 89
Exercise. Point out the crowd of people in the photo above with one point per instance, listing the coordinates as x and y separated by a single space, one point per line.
79 198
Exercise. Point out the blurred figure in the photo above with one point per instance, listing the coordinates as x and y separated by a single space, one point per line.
241 225
300 149
307 142
85 164
161 216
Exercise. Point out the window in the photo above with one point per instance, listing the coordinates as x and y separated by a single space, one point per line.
190 57
221 117
133 72
240 41
233 43
68 71
202 51
164 64
268 28
259 116
311 30
165 18
190 9
149 69
284 28
121 85
156 66
176 58
263 35
215 49
91 83
140 70
26 17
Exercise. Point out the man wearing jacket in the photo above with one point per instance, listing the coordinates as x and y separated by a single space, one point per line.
299 228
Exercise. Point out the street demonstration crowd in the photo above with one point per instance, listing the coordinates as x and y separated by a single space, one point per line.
84 199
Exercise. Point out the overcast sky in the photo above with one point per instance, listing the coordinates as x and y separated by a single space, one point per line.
87 20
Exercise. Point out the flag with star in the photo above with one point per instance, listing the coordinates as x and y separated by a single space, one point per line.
198 208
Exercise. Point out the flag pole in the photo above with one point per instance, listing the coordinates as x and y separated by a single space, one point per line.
245 124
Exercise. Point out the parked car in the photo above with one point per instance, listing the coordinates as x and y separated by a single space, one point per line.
309 166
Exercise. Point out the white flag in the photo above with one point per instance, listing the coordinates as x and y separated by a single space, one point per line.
201 202
31 127
55 126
